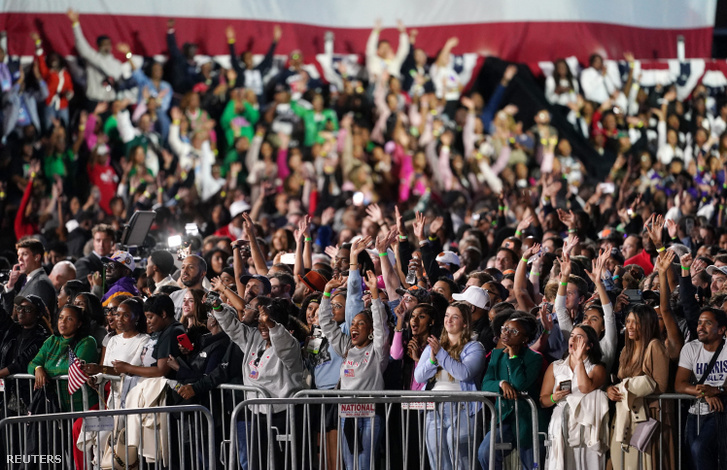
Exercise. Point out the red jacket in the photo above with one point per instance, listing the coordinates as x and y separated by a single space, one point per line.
60 85
23 226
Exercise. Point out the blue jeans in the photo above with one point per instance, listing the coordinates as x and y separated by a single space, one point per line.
703 447
242 443
448 436
363 427
483 454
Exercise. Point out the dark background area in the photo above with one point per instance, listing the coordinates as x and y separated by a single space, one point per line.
719 45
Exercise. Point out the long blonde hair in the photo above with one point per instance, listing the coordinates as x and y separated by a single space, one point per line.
455 350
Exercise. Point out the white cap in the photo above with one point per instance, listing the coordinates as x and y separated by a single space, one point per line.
238 207
712 270
448 257
474 295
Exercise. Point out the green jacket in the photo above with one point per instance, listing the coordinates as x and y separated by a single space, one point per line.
53 356
247 129
315 122
524 374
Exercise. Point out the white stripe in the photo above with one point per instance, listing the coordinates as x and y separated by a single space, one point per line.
659 14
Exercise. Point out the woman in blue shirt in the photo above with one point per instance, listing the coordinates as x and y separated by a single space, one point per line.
453 362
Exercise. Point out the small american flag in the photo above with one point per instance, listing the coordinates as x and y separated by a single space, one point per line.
76 376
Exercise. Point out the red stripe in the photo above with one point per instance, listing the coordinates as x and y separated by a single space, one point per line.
521 41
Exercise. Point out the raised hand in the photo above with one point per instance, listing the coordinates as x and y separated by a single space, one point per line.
533 250
303 229
217 284
336 282
567 218
374 212
331 251
359 246
72 15
655 229
525 223
665 260
277 33
419 225
672 228
372 283
510 72
230 33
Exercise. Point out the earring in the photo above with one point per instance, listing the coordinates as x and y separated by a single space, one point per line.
371 336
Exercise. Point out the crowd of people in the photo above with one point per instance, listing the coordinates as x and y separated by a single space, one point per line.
379 230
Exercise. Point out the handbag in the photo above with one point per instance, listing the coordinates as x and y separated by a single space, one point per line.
114 457
643 433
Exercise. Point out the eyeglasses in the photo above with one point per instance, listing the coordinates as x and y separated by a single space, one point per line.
109 311
511 331
249 307
409 299
337 305
24 308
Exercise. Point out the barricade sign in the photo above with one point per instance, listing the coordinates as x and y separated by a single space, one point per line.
418 406
356 410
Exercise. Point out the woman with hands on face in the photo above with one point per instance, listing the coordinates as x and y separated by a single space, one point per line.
513 369
453 361
409 342
579 374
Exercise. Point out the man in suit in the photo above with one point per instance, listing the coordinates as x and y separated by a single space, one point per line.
103 245
28 277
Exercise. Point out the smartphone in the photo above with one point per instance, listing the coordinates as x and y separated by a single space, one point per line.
288 258
607 188
565 385
634 296
185 342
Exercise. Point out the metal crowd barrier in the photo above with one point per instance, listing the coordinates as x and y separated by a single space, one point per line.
174 444
294 435
17 393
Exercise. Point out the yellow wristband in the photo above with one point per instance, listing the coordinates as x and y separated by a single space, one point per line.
659 250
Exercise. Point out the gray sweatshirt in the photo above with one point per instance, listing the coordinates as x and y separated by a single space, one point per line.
362 368
278 369
98 68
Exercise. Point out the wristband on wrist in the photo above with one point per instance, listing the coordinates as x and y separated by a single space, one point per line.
327 294
551 398
432 238
546 332
383 255
518 233
660 250
685 268
513 357
534 273
403 237
524 259
564 284
38 367
433 361
615 277
308 239
502 208
572 230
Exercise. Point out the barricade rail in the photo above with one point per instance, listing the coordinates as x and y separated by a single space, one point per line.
301 428
178 440
311 415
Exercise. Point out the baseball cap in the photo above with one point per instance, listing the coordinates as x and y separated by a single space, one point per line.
314 280
448 257
474 295
33 299
712 270
238 207
122 257
266 282
421 294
